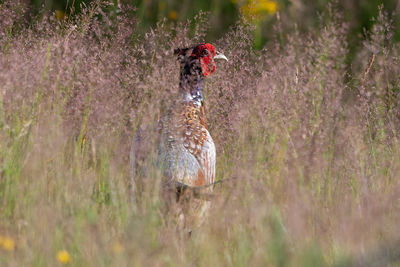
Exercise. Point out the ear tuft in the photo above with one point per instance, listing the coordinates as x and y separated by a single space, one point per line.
181 51
177 51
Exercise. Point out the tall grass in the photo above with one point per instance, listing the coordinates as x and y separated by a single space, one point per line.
307 144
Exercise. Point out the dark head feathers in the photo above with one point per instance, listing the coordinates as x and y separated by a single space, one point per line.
183 53
202 54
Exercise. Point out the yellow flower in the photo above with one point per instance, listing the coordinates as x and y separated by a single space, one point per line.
268 6
63 257
254 9
173 15
8 244
117 248
60 15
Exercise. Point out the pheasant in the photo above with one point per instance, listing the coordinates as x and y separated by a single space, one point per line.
187 151
186 155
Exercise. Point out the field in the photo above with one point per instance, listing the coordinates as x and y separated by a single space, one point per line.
306 131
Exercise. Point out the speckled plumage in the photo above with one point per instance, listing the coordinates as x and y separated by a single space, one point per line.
187 151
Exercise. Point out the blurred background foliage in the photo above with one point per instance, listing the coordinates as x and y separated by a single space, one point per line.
312 162
264 14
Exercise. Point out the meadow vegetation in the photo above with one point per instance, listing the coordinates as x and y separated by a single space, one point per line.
306 131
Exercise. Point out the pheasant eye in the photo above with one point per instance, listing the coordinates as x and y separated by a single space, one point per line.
204 53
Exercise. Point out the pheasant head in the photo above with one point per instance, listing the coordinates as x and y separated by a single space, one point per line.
196 63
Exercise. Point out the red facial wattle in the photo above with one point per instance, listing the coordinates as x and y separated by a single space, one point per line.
207 60
207 65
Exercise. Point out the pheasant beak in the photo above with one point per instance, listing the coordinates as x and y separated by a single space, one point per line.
220 56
